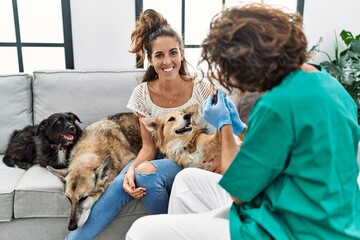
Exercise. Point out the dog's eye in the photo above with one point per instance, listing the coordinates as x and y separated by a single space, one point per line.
68 198
171 119
82 199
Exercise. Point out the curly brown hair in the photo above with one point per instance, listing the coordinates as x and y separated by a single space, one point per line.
149 27
253 47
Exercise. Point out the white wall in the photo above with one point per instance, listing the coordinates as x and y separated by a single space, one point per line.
101 34
322 18
101 29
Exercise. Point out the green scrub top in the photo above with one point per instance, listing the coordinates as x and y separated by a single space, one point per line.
296 170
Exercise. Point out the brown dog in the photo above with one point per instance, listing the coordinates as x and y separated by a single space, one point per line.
104 148
179 136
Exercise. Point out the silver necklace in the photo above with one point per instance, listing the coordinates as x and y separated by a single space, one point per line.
169 100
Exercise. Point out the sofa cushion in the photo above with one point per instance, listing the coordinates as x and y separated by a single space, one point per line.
9 178
15 105
91 95
39 193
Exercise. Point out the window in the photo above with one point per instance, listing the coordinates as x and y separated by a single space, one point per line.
35 34
192 18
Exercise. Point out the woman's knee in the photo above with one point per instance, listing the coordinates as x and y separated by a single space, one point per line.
146 168
161 165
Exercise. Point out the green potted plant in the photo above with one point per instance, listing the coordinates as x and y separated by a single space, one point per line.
346 65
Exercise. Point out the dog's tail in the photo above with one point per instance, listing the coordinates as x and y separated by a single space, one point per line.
9 161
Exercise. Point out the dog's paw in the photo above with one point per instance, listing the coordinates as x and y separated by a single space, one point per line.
8 161
207 165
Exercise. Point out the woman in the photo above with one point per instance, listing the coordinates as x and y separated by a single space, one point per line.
167 86
295 175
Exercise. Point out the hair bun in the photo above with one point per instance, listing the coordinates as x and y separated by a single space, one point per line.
152 19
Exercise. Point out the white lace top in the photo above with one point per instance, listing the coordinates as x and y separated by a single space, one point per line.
141 103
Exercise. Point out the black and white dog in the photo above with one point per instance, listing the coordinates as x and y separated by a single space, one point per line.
48 144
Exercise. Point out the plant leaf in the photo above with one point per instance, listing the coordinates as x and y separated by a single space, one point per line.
334 70
355 46
346 36
354 91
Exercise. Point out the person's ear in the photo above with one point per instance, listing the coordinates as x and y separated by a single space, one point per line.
150 60
182 54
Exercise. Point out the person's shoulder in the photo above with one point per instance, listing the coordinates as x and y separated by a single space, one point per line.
141 85
140 89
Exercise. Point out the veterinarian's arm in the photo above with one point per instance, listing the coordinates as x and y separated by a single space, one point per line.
218 114
228 146
147 152
229 150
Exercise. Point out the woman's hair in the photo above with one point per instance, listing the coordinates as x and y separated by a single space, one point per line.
149 27
253 47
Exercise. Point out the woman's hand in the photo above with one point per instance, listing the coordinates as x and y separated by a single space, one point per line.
129 184
216 165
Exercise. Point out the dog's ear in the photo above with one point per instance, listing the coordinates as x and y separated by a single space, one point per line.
196 114
41 127
102 172
149 123
74 117
61 174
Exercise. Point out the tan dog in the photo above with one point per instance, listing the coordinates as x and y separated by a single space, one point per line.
179 136
104 148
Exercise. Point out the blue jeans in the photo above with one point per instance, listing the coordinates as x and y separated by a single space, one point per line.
158 187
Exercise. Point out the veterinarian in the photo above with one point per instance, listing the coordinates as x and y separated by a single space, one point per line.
166 86
295 175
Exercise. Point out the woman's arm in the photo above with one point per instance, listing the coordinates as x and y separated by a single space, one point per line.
147 152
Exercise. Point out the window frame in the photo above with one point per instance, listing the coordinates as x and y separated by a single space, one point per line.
139 8
67 32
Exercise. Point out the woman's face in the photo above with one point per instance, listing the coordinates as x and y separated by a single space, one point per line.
166 57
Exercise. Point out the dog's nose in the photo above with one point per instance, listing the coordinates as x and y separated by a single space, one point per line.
72 225
187 116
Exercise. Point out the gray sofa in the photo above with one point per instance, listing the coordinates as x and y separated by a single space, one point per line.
32 204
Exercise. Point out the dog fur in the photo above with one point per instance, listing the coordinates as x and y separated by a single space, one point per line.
104 148
48 144
180 137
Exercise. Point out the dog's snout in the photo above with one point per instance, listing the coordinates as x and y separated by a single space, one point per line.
187 117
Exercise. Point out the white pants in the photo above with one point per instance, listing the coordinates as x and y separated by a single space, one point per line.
213 225
198 209
195 190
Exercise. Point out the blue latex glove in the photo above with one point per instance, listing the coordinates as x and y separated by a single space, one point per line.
216 114
237 125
